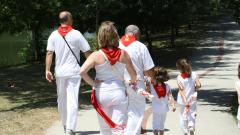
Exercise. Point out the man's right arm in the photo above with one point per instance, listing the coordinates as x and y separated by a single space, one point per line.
48 73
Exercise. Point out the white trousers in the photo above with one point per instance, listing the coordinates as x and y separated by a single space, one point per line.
67 90
158 120
136 109
113 100
190 119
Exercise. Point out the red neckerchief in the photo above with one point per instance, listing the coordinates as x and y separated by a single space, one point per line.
63 30
160 90
100 111
113 54
184 75
127 40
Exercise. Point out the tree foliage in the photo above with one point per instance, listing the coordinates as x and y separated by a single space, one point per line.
152 16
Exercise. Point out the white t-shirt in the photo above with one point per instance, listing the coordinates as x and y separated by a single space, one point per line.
140 56
160 105
65 62
188 85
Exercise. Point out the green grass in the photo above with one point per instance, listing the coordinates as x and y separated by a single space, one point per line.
10 45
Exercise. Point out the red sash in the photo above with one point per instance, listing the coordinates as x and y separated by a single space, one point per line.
113 54
63 30
184 75
160 90
127 40
98 108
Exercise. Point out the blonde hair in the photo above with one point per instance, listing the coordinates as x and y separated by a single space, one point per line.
107 35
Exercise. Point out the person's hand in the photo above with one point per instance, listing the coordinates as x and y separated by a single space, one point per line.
174 109
49 76
97 83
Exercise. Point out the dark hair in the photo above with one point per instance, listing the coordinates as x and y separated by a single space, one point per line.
239 71
161 74
184 66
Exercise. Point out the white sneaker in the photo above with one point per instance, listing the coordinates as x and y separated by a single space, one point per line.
69 132
238 124
191 131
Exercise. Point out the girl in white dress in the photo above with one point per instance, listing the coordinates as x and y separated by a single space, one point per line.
162 94
237 86
188 82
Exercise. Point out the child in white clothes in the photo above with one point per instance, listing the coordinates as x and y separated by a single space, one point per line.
237 86
188 82
162 94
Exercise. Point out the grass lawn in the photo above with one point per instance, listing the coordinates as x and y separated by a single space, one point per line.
30 107
10 45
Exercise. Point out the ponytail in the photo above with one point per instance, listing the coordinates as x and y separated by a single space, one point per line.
184 66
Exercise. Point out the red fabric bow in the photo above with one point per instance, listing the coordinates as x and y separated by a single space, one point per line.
113 54
184 75
160 90
63 30
127 40
98 108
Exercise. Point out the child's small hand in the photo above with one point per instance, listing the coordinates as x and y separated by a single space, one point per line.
174 109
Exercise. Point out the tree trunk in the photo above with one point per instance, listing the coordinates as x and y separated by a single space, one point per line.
172 36
97 16
149 40
35 44
176 30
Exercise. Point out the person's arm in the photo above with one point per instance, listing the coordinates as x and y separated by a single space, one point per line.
129 66
197 84
238 92
87 53
149 73
171 99
182 93
87 65
48 73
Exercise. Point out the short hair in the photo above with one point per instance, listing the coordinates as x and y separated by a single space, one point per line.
107 35
132 29
184 66
160 74
64 16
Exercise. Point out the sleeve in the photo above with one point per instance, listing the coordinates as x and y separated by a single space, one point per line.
168 89
147 59
50 43
83 44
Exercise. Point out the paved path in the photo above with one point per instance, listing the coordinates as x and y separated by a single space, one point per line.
216 61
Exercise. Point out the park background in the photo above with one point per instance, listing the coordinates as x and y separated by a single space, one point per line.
170 29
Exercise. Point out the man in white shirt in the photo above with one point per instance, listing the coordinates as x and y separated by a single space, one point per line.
143 65
67 68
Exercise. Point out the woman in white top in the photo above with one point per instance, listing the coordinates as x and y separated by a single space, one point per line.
162 94
237 86
188 82
110 63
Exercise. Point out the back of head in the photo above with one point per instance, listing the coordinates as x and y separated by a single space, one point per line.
132 29
184 66
161 74
107 35
65 17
